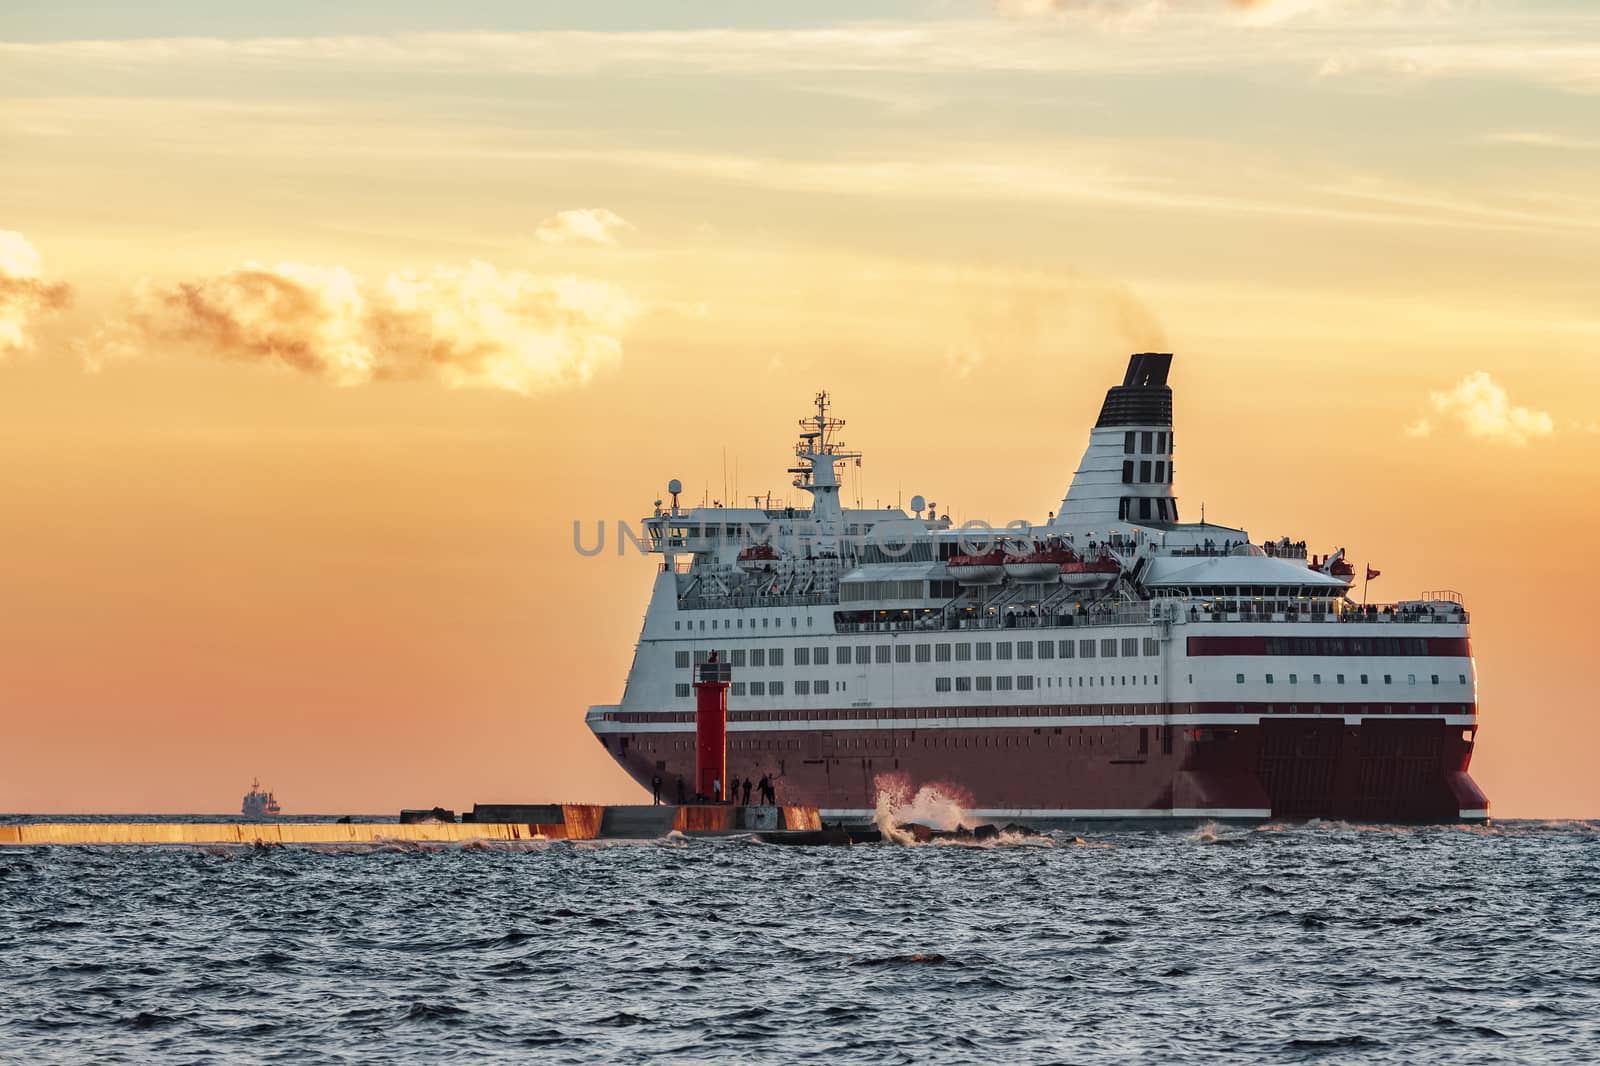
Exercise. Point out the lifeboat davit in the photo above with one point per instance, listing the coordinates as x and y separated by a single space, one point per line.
986 569
758 557
1098 573
1039 565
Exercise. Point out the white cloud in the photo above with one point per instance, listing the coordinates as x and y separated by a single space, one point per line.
1268 11
582 225
1537 139
1423 203
1551 47
1485 411
1119 13
1251 10
24 292
465 327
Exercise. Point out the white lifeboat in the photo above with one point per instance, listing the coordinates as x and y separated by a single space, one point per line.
1041 564
1335 566
758 558
986 569
1098 573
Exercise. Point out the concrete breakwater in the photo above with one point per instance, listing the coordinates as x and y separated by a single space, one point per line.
553 821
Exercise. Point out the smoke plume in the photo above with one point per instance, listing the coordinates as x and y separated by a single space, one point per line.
24 293
1005 321
465 327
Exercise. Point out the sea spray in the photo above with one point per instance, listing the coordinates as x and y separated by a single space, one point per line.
888 823
931 805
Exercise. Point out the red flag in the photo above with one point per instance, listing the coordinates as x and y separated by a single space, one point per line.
1371 573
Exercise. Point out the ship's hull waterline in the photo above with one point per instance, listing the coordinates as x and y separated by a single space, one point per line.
1353 766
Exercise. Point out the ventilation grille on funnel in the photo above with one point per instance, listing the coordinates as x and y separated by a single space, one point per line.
1143 398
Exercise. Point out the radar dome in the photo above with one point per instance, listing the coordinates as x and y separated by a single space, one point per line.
918 503
674 486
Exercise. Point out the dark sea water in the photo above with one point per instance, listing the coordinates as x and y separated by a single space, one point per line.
1318 943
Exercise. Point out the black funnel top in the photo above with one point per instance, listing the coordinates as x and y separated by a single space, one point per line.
1143 398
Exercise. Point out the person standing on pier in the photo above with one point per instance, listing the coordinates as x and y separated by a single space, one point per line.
655 791
747 792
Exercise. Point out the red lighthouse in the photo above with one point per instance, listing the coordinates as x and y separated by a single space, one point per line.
711 728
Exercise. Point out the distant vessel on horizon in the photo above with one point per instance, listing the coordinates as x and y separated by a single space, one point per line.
258 804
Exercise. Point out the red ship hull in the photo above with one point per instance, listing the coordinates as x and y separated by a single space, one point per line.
1356 766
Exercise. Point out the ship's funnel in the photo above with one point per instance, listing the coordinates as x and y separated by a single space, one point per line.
1125 477
1143 398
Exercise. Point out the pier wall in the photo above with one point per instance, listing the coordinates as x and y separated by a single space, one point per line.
257 833
566 821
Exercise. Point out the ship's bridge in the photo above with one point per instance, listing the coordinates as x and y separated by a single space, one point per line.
709 529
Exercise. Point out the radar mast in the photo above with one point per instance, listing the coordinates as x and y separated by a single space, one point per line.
819 451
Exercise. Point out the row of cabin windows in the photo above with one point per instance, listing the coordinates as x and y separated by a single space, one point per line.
1338 679
983 683
740 657
820 686
766 688
1158 472
958 651
1149 441
1350 646
1080 738
729 623
1004 683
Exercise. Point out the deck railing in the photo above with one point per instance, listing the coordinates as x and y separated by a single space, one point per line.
1144 615
803 599
1139 612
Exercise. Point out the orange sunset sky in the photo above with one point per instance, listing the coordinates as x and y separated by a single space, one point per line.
320 328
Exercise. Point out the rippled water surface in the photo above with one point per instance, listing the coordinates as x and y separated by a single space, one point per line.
1313 943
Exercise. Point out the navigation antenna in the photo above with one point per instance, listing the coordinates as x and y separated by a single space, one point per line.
819 452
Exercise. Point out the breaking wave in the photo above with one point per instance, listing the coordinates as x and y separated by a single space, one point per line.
935 806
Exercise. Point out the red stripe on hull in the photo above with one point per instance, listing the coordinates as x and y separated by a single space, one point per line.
1431 647
1379 770
1290 704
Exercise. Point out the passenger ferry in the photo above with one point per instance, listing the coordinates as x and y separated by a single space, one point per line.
1112 661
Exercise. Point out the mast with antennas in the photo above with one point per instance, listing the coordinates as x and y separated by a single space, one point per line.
820 450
